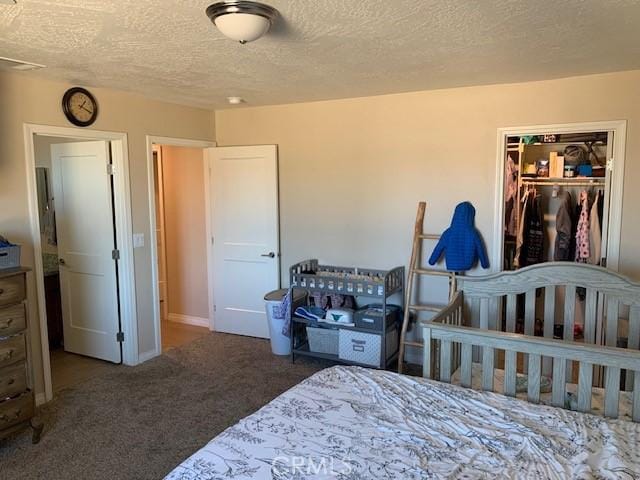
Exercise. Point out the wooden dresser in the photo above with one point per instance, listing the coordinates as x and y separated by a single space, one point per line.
17 402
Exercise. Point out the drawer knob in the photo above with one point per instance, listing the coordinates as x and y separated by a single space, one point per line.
8 355
11 381
6 324
1 291
6 418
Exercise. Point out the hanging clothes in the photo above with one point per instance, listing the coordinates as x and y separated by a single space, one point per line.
510 197
520 239
582 231
564 230
530 239
595 233
534 251
600 206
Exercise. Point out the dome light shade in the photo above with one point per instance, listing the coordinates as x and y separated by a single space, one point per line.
242 21
242 27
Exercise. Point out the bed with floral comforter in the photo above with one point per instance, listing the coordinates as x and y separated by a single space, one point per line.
355 423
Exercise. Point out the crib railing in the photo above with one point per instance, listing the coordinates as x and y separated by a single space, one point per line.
469 323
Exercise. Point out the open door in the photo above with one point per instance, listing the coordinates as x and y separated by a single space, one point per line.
86 249
243 183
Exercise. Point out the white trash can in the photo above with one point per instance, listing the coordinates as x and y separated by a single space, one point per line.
280 343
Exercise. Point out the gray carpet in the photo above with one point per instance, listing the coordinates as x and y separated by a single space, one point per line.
140 422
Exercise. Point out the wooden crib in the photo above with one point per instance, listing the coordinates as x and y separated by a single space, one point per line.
481 320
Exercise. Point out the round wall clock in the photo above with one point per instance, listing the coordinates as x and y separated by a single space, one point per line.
80 107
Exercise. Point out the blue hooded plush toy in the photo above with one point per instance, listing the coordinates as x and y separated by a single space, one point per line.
461 242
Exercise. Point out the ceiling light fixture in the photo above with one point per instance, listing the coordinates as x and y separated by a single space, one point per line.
235 100
240 20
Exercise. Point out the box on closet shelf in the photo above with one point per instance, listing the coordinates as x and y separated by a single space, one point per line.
556 165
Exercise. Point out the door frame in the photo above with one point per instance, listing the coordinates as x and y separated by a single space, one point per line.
153 240
123 227
619 128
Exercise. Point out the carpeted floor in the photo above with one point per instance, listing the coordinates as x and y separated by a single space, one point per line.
140 422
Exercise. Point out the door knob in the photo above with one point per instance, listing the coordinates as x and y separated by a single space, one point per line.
270 255
61 261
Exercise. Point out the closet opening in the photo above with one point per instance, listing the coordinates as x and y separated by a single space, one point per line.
556 198
561 201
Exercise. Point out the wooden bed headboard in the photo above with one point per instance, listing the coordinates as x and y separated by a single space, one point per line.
483 317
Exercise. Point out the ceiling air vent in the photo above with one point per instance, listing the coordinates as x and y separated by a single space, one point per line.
18 64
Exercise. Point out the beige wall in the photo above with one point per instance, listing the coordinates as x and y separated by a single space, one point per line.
25 98
352 171
185 231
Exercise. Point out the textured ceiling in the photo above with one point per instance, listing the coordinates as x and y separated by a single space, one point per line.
320 49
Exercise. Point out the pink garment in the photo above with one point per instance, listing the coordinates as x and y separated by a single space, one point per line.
583 252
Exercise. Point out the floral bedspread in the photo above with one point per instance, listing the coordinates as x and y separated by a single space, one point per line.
351 423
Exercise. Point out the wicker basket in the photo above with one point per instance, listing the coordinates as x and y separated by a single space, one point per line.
323 340
9 257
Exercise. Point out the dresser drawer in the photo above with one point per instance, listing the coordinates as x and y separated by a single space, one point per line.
13 380
12 289
12 350
16 410
12 319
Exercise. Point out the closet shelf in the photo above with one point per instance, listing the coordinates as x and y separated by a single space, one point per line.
577 181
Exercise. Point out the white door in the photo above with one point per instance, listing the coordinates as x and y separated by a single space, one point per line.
84 223
246 257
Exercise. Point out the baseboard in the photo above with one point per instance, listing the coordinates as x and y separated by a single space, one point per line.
188 320
143 357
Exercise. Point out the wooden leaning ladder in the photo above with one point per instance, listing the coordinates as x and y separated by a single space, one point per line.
415 271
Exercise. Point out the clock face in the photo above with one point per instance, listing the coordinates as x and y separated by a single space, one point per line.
80 107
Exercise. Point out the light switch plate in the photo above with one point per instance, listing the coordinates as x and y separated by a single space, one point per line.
138 240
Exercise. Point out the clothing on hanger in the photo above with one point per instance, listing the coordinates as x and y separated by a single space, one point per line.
564 229
530 239
595 233
582 232
520 239
600 206
510 197
534 252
